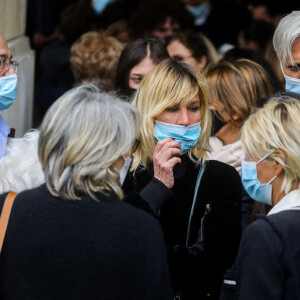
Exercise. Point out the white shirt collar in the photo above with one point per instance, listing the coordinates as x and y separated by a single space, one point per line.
289 201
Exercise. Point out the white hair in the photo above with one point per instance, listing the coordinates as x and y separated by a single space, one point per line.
20 169
287 32
81 137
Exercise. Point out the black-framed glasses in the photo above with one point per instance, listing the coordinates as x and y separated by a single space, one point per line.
135 145
5 64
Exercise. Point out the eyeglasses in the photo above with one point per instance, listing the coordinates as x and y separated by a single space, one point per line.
135 145
5 65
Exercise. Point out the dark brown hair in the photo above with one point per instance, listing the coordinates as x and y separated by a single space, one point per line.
133 54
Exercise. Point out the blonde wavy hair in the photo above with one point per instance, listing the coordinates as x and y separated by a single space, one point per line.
276 126
166 85
81 137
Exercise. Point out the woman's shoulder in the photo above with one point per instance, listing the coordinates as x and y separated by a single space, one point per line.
285 223
28 200
220 169
221 183
215 143
263 232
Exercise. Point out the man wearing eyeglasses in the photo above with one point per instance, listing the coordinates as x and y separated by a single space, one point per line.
8 89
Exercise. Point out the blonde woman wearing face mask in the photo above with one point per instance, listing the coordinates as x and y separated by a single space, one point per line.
268 263
198 203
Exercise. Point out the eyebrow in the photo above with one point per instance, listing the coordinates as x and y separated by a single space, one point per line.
5 56
137 74
195 102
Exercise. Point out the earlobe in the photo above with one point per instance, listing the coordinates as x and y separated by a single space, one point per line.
278 169
235 117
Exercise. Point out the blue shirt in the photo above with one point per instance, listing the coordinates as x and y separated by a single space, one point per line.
4 132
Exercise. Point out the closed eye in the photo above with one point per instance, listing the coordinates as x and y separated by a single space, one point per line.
172 109
194 108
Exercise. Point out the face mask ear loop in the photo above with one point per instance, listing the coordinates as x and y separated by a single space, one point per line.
264 157
282 69
272 179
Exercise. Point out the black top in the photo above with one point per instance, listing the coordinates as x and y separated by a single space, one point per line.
196 269
64 249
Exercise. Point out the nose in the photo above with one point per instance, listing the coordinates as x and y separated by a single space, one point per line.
183 118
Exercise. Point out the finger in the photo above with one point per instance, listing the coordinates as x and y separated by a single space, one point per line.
164 155
169 153
167 167
170 144
161 143
172 162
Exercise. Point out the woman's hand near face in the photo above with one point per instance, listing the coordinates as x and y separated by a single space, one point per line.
166 156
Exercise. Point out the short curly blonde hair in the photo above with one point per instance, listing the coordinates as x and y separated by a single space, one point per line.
276 126
94 59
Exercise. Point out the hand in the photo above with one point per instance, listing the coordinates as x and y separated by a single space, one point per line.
165 157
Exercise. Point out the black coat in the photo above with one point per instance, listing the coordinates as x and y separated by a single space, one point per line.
268 264
64 249
196 269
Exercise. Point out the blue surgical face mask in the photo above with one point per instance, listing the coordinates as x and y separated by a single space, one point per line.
199 10
257 191
100 5
186 136
291 84
8 90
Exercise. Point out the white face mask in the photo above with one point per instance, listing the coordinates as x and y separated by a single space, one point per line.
124 170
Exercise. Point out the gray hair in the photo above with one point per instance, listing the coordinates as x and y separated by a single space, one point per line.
287 32
81 137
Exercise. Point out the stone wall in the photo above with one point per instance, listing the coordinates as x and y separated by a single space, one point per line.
12 27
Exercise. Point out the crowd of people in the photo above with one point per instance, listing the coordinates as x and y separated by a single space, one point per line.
165 160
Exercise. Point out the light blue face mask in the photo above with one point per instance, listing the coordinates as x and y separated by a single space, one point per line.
291 84
8 90
100 5
257 191
186 136
199 11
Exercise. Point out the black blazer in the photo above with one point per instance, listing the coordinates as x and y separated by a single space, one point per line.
196 269
268 263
